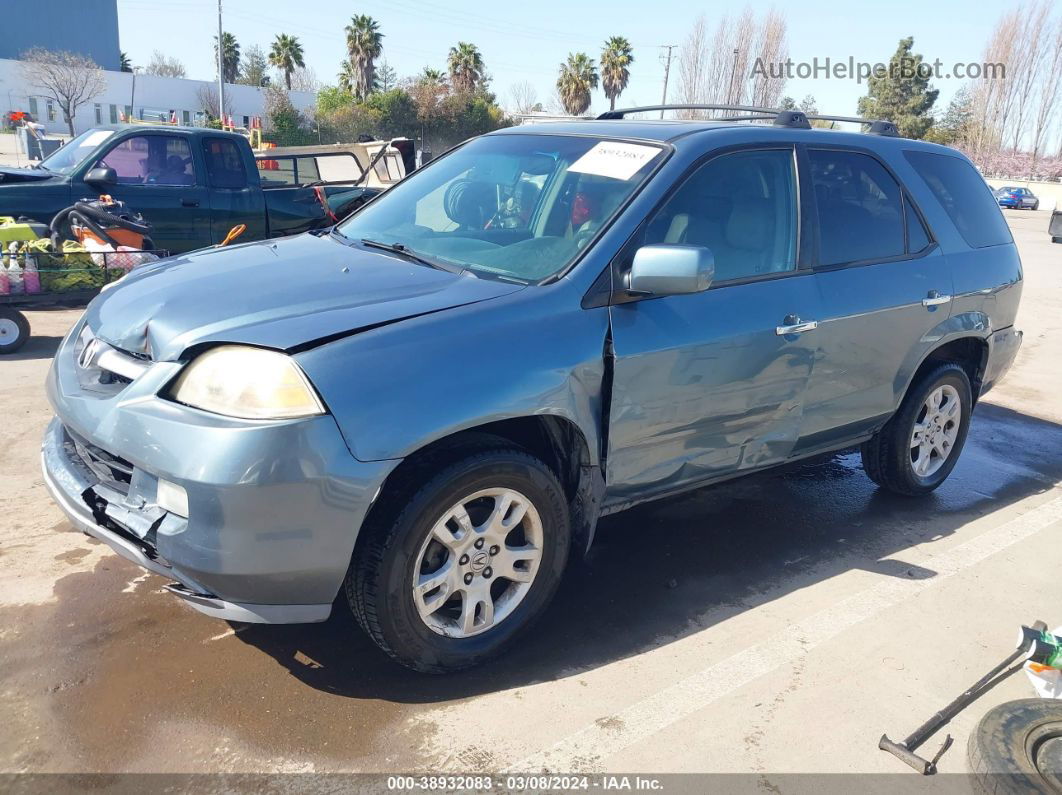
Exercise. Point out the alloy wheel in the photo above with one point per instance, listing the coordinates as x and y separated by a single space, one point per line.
935 430
478 562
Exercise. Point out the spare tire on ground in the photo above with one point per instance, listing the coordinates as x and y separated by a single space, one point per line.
1017 748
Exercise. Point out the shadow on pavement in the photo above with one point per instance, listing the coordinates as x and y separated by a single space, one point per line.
36 347
665 570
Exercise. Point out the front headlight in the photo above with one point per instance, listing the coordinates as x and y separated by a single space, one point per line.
245 382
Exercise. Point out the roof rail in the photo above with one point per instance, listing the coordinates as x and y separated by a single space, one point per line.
795 119
621 112
877 126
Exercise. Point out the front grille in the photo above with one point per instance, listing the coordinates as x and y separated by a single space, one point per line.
112 471
102 368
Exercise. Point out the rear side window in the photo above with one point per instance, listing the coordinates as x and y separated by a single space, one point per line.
917 236
859 205
224 164
965 197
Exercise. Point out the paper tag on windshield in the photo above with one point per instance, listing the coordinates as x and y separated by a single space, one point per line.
614 160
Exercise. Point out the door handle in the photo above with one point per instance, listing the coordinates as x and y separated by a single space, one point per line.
935 299
794 325
189 202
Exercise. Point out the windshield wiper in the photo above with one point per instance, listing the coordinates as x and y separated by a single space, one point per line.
405 251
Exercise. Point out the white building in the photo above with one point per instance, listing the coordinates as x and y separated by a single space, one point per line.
137 96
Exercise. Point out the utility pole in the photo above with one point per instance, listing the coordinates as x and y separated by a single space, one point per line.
221 71
667 70
733 72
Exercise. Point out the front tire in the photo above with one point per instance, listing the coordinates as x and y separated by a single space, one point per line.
451 572
917 449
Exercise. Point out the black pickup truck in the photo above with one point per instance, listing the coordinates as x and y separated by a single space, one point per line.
194 184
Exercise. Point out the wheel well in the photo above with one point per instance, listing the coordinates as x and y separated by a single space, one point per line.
971 353
555 440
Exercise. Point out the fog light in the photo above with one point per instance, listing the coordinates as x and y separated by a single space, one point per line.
172 498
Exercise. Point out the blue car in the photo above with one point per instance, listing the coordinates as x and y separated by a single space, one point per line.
426 409
1017 199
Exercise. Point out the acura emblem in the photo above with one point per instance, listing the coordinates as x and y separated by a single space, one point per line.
87 357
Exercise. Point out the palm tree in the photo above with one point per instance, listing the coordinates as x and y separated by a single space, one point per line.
364 45
578 77
124 64
230 58
347 77
286 55
436 76
615 58
466 66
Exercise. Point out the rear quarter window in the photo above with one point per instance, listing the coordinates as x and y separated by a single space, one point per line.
965 197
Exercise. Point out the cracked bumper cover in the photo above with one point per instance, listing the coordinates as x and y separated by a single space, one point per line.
274 508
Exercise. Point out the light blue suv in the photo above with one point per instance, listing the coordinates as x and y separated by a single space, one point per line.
428 407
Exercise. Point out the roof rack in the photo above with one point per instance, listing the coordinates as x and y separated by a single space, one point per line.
794 119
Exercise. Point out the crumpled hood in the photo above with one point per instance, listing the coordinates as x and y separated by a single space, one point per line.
10 175
285 293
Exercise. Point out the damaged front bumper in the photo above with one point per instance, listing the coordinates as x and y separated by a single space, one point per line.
273 509
112 521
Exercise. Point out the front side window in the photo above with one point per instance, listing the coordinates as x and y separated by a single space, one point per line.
965 197
515 206
224 163
742 207
151 160
859 206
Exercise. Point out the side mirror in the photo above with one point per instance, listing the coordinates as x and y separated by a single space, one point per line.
671 270
102 176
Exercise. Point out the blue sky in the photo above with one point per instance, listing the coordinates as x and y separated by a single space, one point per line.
527 41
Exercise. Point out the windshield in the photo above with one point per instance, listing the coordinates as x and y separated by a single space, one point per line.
517 206
73 153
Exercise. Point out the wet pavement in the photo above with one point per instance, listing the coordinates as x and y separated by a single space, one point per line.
105 672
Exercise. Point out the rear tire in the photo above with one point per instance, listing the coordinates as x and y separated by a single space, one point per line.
1017 748
403 545
14 330
894 461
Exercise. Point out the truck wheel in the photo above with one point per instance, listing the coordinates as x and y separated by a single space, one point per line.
14 330
917 449
1017 748
461 565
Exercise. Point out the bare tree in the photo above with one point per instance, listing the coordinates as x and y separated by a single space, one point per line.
305 79
208 101
993 98
772 47
164 66
721 73
524 96
1035 22
70 79
692 66
1050 89
1017 106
